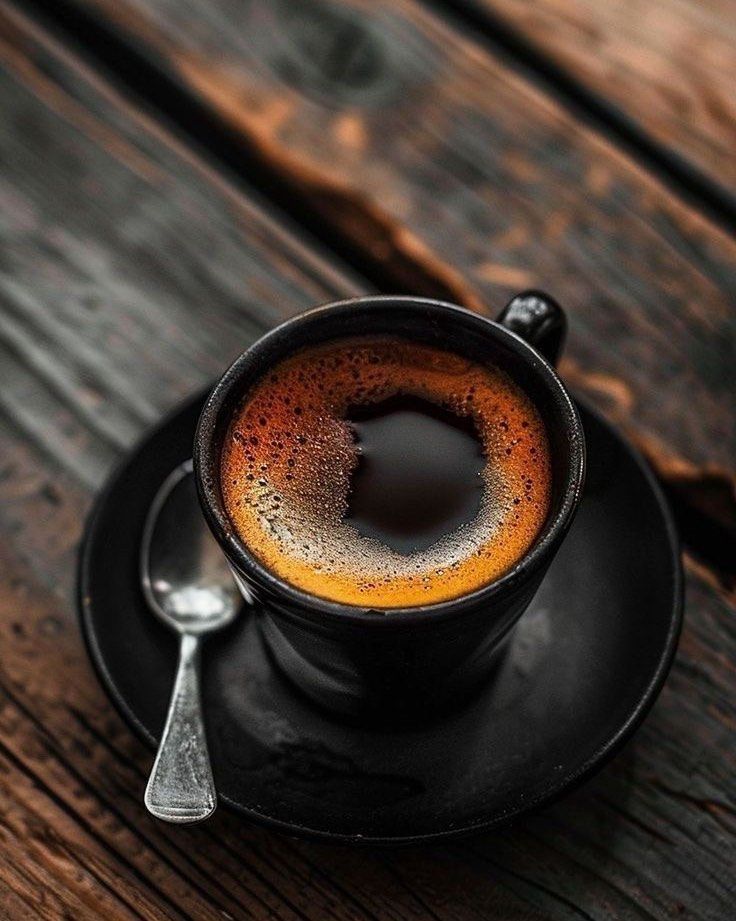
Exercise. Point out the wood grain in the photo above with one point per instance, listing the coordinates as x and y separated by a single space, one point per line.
668 66
130 273
461 179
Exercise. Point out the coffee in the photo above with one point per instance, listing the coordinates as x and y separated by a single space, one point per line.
382 472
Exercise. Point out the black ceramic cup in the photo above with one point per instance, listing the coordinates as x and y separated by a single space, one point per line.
397 663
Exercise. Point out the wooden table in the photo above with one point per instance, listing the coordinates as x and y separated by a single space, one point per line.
177 177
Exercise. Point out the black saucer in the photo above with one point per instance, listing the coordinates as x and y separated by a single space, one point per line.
588 659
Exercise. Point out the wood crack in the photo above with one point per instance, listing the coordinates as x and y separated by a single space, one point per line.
635 820
605 117
708 804
528 881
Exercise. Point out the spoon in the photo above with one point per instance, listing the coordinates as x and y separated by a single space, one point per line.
188 585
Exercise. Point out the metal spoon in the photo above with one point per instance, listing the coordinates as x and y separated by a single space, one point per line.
189 586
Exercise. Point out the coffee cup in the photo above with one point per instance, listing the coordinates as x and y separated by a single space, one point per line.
404 662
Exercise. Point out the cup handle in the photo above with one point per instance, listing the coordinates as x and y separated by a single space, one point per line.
539 320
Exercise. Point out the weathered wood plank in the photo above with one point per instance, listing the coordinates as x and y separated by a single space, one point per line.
181 271
668 66
458 176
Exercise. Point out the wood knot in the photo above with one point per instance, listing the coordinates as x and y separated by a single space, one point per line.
340 54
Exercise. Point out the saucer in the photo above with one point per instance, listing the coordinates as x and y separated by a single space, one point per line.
587 661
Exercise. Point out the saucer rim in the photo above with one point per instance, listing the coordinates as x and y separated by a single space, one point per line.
558 789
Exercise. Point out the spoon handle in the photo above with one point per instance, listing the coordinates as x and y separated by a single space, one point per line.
181 788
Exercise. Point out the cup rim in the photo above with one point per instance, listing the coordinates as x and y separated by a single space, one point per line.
206 455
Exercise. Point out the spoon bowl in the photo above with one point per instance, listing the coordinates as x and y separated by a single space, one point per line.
187 582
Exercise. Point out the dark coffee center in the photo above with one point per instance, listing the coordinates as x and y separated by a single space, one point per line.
419 474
